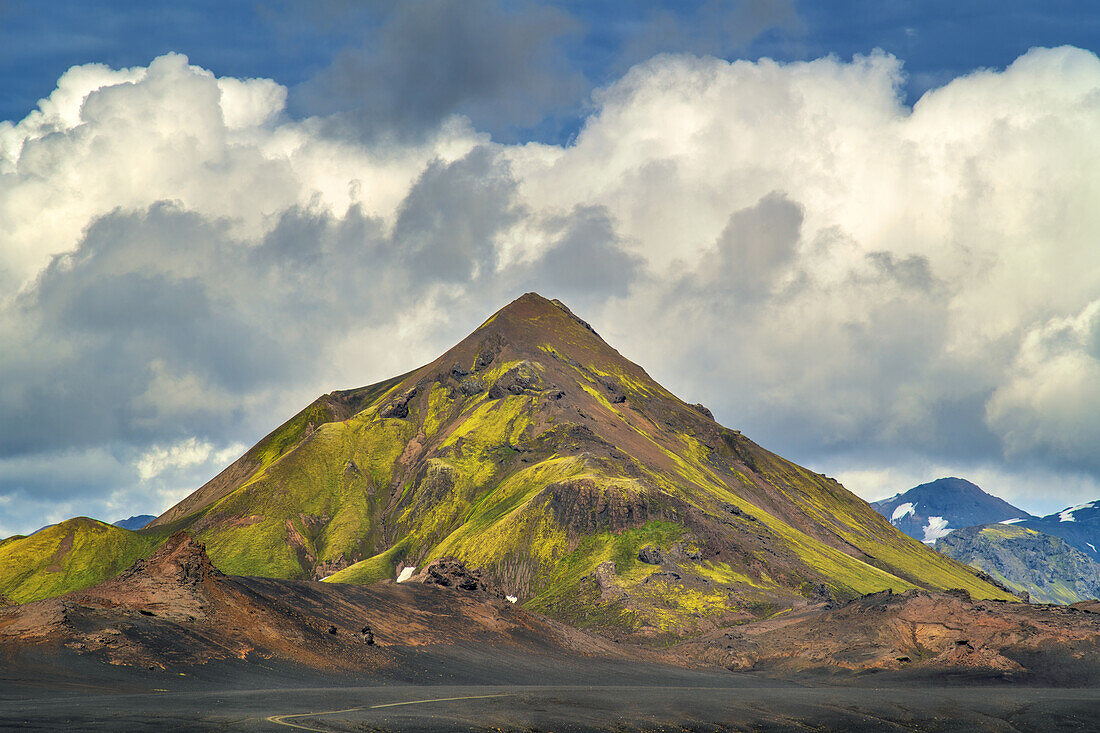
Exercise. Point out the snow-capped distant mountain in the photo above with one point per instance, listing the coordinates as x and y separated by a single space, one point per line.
1078 525
930 511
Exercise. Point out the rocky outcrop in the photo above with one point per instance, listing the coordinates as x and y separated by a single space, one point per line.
179 560
520 379
917 632
450 572
399 408
583 506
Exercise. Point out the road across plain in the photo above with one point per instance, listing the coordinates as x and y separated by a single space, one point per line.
565 709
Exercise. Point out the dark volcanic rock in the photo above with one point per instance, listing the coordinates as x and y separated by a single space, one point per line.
470 387
450 572
399 408
650 555
702 410
585 507
520 379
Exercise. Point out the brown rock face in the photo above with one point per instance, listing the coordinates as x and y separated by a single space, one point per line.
179 560
919 631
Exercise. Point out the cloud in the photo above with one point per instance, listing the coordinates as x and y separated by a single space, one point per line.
159 459
501 65
852 281
1049 399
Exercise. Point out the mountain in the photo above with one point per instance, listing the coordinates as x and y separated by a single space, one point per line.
73 554
535 452
1046 567
1078 525
929 511
135 522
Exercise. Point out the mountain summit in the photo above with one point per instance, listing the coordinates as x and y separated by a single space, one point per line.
536 453
929 511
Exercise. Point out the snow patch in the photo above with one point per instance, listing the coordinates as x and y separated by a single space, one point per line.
405 574
511 599
1012 521
1092 546
1066 515
936 528
902 510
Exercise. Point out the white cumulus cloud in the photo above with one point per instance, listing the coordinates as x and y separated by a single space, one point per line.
863 286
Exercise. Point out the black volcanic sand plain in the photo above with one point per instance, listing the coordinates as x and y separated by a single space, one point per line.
630 698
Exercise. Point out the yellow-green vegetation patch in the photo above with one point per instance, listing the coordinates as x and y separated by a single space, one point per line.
936 570
1007 532
75 554
263 548
321 489
439 408
498 525
560 596
382 566
289 434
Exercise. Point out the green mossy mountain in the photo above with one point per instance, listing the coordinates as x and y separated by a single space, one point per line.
536 452
74 554
1047 568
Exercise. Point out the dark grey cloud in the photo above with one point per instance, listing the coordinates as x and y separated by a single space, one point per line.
447 224
501 64
757 244
586 259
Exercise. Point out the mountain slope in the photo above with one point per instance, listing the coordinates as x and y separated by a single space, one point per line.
536 452
1044 566
931 510
1078 525
74 554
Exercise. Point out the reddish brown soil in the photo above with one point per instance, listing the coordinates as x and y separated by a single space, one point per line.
919 633
177 609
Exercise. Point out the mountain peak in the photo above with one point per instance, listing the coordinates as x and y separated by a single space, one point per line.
536 316
537 454
931 510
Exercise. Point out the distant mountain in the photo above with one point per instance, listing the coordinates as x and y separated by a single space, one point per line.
1078 525
929 511
1047 567
538 455
135 522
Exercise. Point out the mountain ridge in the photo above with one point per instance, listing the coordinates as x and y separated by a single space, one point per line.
1046 567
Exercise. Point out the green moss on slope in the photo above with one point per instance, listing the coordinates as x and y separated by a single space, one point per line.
69 556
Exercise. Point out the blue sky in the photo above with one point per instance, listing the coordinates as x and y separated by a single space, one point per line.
861 232
589 43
